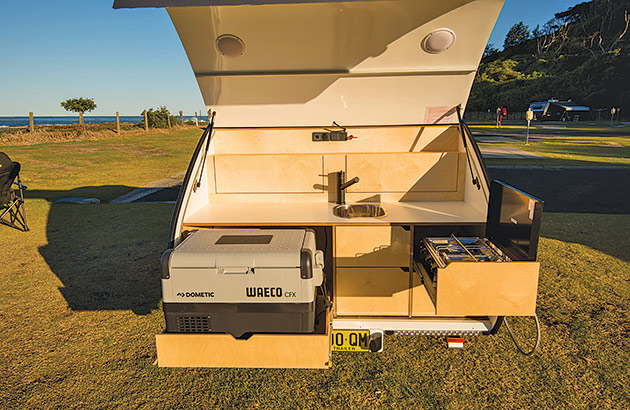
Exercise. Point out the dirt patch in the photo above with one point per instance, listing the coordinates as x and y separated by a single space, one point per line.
611 144
38 137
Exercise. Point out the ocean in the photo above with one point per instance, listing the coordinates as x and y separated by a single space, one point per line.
22 122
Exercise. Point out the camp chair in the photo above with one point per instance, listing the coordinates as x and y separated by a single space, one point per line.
11 200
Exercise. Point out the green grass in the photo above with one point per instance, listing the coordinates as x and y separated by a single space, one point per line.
80 305
561 148
103 168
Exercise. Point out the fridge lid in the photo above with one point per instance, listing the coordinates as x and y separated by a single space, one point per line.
309 63
513 221
225 249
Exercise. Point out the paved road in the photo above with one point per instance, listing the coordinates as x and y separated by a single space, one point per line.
588 190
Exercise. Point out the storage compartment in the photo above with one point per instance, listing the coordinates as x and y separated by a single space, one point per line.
372 292
372 270
372 246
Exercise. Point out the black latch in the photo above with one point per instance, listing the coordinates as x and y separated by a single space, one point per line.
165 264
306 264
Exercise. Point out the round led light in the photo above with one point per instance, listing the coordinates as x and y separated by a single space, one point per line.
438 41
230 45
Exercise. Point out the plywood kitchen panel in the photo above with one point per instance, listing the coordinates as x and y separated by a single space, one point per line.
334 163
411 172
268 173
434 139
371 292
487 288
421 303
372 246
439 138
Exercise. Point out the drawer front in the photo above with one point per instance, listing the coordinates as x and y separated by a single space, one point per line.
371 292
306 350
372 246
262 350
486 288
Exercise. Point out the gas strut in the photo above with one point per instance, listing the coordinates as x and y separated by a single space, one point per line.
197 182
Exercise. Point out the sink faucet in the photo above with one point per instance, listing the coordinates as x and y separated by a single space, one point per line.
336 180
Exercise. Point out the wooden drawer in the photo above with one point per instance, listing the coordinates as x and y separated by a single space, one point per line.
261 351
300 351
372 246
484 289
372 292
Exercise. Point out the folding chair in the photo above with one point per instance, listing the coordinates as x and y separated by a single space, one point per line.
11 200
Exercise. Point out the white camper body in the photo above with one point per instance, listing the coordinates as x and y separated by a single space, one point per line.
305 92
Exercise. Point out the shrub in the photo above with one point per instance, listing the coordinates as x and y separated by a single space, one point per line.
158 118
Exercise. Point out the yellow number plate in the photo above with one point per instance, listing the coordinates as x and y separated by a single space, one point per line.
351 341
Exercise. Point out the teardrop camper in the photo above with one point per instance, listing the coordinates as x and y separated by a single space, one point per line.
337 197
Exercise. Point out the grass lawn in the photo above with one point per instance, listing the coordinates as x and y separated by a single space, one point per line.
103 168
81 305
561 147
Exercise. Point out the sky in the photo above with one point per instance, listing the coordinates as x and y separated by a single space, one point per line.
128 59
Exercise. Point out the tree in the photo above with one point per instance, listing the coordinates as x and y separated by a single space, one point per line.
518 34
79 105
602 24
552 32
489 51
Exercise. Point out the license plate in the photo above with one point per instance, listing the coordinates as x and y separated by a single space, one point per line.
351 341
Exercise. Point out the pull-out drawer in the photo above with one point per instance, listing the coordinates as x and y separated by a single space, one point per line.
484 288
372 246
261 350
304 350
372 292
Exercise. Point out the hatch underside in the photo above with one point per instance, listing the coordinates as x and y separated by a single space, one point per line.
356 63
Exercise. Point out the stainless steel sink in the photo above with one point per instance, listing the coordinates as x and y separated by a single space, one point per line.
359 211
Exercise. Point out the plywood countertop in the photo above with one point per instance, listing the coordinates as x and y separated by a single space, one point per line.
321 213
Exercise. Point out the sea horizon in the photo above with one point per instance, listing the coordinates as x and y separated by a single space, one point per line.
20 121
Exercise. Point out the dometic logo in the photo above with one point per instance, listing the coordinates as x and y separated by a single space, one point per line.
268 293
195 294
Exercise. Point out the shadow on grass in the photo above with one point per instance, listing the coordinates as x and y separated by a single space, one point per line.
593 190
605 233
574 193
106 255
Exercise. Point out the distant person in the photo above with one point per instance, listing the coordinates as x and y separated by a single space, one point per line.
503 113
499 116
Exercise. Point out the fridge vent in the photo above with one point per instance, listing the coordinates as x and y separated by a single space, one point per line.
193 324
